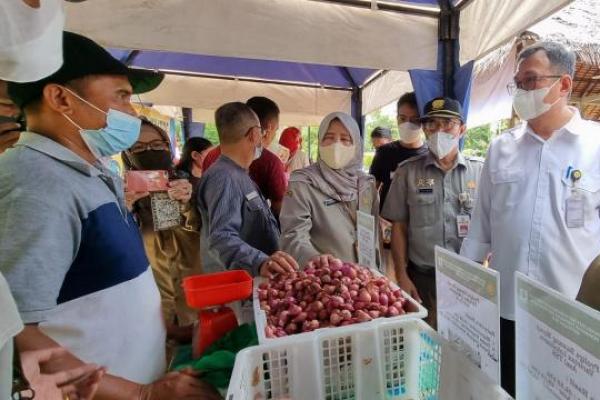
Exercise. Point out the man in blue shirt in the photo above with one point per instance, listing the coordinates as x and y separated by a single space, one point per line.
239 230
69 249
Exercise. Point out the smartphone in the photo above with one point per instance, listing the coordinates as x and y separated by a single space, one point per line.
147 181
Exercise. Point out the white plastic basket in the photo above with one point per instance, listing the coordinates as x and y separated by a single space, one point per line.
390 360
414 311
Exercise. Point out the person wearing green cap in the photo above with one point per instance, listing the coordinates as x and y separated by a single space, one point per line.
69 249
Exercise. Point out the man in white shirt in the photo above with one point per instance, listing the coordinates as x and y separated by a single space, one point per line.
539 196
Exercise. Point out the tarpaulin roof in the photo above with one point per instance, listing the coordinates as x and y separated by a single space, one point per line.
324 44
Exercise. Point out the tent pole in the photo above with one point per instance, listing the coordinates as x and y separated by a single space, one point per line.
448 30
187 120
309 145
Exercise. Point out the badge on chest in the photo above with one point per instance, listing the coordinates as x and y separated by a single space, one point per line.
425 185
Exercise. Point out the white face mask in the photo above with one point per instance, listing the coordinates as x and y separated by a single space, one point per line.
30 40
258 151
337 155
442 143
409 132
529 104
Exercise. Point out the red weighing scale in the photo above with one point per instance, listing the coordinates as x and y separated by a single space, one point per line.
209 293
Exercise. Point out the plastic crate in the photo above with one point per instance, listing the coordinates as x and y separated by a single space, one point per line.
391 360
415 311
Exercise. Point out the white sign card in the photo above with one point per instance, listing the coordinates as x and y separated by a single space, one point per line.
557 345
468 309
365 230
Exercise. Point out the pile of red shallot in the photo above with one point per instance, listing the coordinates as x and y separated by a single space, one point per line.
319 297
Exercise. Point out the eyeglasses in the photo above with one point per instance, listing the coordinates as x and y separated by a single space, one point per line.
529 83
441 123
155 146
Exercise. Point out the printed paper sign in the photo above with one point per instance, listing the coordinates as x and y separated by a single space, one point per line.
468 309
557 345
365 230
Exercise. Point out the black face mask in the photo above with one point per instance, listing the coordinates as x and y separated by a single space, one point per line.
152 160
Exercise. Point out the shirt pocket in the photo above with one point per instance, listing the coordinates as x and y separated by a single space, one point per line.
507 188
422 209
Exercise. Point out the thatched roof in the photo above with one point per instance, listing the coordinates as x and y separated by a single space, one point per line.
578 27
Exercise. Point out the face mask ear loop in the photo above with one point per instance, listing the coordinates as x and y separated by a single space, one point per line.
84 100
72 122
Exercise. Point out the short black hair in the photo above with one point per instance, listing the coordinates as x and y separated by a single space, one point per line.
381 132
408 98
233 120
265 108
562 59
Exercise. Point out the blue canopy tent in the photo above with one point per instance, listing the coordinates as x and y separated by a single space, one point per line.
350 55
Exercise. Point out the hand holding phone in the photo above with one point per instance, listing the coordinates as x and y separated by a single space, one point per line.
146 181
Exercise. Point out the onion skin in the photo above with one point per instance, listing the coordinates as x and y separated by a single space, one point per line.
318 297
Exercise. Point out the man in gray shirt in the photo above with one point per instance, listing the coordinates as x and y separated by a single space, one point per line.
238 229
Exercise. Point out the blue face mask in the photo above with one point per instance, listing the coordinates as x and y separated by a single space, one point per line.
120 133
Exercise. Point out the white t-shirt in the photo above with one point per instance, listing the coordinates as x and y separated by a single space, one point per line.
10 325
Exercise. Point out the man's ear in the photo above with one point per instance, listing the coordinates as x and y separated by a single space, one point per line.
566 85
463 130
58 99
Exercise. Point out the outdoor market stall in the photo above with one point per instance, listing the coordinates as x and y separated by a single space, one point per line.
299 53
351 55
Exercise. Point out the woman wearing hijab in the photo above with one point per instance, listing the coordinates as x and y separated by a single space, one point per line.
173 253
320 208
291 138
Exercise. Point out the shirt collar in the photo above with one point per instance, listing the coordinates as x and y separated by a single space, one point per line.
574 126
431 160
56 151
231 162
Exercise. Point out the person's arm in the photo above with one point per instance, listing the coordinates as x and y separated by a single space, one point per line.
400 256
224 201
296 224
173 386
477 244
395 209
110 387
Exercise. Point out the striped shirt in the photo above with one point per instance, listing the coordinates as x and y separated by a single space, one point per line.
238 229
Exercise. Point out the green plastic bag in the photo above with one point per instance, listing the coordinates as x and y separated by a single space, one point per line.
216 364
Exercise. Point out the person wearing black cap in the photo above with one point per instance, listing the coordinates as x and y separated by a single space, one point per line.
69 248
430 201
380 136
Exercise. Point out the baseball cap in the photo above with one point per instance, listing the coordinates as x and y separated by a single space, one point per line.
83 57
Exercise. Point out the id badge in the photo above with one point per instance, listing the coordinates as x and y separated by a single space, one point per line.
575 211
463 221
166 213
